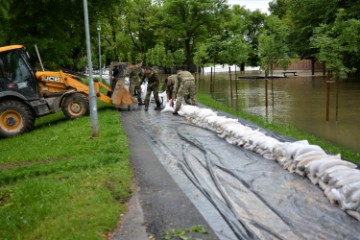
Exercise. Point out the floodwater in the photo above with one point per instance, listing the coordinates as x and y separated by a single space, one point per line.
304 102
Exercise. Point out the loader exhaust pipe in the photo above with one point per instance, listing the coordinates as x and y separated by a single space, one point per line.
38 55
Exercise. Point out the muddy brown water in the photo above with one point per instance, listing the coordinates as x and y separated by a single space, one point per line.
300 101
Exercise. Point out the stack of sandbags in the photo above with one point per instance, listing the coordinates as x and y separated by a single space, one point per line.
339 179
188 111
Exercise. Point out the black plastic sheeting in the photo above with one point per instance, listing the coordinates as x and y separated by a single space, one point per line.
241 194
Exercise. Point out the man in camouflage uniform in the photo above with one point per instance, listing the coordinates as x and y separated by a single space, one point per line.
169 84
135 73
184 87
153 86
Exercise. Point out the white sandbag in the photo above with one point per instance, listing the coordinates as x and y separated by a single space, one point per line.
314 167
333 173
168 107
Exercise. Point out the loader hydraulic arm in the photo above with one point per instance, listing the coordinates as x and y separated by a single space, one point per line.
52 83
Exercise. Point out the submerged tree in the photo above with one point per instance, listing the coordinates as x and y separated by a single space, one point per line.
336 42
235 40
235 51
273 49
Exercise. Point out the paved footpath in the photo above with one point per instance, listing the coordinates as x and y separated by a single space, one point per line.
158 204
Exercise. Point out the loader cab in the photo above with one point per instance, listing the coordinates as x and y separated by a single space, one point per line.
16 73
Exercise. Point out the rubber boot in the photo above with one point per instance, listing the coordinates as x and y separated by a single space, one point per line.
159 108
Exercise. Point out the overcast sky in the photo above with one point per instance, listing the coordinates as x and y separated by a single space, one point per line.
261 5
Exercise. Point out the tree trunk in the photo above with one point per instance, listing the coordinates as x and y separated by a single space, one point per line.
188 54
313 66
242 67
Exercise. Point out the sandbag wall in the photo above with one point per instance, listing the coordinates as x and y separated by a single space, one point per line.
338 178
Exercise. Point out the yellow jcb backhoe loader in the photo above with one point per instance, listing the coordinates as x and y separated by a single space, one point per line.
26 94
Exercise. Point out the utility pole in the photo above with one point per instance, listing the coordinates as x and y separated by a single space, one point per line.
92 96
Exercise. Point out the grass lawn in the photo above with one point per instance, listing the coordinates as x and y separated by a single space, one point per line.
58 183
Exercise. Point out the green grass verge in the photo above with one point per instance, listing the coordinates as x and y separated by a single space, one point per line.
58 183
285 130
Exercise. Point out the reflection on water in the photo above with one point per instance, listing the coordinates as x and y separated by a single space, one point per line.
298 101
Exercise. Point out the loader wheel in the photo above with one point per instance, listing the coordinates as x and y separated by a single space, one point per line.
15 118
75 106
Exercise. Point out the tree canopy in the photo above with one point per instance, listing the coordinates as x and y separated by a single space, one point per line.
311 28
182 32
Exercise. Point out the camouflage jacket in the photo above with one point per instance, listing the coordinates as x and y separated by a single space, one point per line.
134 73
181 77
173 80
153 79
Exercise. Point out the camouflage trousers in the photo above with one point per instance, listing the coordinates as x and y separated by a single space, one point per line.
134 84
187 91
155 90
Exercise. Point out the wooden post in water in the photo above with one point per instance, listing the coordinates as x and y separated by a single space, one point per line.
236 83
327 100
211 81
214 79
235 72
266 98
231 90
337 99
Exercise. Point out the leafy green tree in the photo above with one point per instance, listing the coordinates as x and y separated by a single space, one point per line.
4 7
255 24
179 57
215 46
232 43
235 47
57 27
201 56
305 15
235 51
279 8
166 59
116 42
187 21
336 41
138 19
157 55
273 49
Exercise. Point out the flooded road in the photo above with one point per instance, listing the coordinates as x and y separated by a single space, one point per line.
304 102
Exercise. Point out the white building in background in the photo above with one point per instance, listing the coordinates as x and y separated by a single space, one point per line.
225 68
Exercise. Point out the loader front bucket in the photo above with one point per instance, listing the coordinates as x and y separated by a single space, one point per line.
121 95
